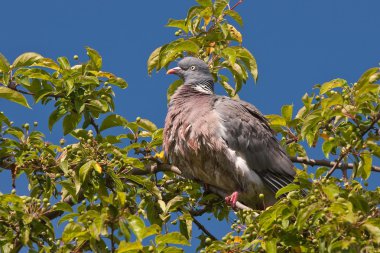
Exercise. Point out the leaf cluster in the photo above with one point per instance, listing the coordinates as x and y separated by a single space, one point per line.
208 34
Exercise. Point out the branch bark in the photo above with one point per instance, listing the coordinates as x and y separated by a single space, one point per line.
201 227
327 163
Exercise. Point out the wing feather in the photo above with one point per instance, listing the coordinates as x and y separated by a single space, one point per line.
247 132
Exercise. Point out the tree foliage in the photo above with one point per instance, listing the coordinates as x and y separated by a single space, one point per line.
118 193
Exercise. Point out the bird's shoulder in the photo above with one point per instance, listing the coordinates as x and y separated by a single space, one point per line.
232 110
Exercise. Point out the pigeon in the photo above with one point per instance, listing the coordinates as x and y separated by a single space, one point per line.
226 144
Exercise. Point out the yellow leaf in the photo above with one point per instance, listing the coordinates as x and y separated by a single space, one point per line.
235 34
161 156
325 136
237 239
97 168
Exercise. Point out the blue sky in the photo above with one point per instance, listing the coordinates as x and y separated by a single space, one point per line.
297 44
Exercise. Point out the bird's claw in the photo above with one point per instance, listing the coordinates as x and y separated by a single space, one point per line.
232 199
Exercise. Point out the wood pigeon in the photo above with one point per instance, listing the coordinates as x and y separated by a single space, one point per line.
226 144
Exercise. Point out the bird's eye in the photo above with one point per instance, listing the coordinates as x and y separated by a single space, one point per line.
192 67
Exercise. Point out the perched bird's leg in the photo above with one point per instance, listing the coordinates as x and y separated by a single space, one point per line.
232 199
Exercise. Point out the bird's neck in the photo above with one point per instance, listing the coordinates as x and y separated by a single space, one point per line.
205 86
187 91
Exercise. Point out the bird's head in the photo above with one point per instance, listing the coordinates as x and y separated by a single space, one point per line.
192 70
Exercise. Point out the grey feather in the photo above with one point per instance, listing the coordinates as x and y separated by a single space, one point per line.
225 143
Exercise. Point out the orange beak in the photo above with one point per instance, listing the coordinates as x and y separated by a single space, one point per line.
173 70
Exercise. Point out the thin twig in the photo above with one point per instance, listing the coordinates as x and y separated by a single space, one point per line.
236 5
376 119
333 168
327 163
154 168
201 227
93 123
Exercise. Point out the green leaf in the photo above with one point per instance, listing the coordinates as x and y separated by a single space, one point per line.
370 76
37 73
118 81
147 125
97 227
4 119
271 245
13 96
205 3
374 229
287 112
365 164
173 203
25 235
173 49
172 88
374 148
129 247
331 85
186 225
98 106
320 171
137 226
67 217
124 230
248 60
327 146
4 64
55 116
276 120
235 16
63 206
26 59
230 54
71 231
172 250
112 121
304 215
331 191
63 63
46 63
228 88
178 23
219 6
153 60
85 169
70 122
118 183
286 189
172 238
95 58
335 99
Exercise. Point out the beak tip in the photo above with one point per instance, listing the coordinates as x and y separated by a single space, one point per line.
173 71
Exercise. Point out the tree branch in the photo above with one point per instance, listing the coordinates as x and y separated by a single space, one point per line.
327 163
201 227
236 5
337 163
154 168
93 123
376 119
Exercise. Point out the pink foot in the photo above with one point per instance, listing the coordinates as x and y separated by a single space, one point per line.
231 200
